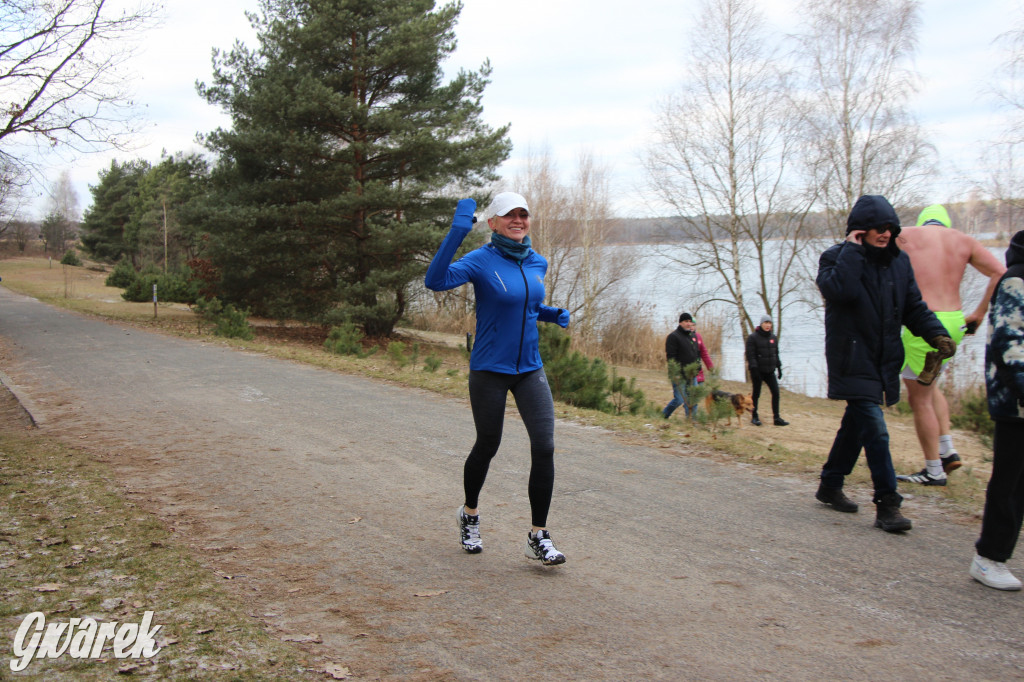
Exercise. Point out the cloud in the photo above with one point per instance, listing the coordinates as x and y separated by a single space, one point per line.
571 75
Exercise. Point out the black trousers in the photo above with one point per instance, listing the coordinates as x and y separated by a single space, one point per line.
768 378
487 395
1004 498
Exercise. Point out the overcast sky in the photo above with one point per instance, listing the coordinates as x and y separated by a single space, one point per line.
572 75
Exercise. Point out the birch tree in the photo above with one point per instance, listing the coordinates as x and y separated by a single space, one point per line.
860 137
720 158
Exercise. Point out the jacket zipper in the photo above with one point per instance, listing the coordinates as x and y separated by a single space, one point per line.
526 303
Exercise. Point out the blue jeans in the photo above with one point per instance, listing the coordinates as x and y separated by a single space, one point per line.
863 426
679 397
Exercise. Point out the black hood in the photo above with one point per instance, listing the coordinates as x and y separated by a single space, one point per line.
874 211
1015 254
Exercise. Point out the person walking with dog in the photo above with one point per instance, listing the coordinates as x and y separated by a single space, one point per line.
508 283
869 291
681 347
940 255
1004 386
762 352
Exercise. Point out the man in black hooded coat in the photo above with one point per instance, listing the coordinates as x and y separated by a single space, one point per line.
870 293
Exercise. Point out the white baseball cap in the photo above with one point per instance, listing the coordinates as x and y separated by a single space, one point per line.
503 203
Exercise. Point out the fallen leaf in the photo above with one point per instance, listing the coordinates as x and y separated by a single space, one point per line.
304 639
430 593
49 587
204 631
338 672
356 520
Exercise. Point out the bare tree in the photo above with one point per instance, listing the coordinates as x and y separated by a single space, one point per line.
860 136
549 210
723 146
61 223
1004 181
13 190
573 228
61 75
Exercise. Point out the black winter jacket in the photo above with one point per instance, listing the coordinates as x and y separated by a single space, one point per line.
763 352
682 347
866 302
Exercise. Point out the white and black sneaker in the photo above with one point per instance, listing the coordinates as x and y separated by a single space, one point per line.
539 546
469 531
924 478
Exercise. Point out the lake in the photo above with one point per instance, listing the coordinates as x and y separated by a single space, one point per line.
667 291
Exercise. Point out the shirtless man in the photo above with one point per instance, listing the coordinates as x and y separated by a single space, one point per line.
940 256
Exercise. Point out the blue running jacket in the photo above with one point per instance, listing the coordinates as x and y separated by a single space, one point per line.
508 302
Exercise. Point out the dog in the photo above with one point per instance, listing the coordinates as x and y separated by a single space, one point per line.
740 403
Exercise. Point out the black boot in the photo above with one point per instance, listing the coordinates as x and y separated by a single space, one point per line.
836 498
754 420
888 516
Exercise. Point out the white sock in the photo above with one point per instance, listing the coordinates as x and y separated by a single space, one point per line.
946 445
935 467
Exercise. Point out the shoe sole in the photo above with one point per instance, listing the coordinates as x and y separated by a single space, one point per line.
940 482
896 528
950 467
556 562
845 510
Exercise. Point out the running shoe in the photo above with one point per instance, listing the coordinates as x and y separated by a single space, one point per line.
469 531
540 547
951 462
923 477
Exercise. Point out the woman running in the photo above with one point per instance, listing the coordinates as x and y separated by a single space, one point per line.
508 282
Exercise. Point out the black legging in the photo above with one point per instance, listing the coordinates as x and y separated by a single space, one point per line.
487 394
773 386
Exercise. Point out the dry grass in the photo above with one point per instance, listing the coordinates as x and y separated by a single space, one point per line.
72 545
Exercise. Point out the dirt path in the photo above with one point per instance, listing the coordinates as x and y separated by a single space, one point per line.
329 500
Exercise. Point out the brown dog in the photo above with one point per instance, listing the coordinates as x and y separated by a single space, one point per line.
740 403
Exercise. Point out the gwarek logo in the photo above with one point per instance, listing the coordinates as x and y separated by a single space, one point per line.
82 638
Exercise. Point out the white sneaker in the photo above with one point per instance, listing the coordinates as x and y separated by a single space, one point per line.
993 573
469 531
540 547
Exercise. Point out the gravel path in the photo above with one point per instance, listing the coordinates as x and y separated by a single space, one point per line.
330 502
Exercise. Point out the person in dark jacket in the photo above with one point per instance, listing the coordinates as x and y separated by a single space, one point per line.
682 347
869 291
764 365
508 283
1004 387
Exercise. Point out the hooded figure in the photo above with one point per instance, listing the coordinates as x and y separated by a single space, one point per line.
870 293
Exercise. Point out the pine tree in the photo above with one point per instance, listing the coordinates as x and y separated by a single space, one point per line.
330 190
103 226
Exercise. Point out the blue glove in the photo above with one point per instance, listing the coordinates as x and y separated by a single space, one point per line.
563 318
464 219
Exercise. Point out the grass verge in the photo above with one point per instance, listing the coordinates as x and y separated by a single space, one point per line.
73 546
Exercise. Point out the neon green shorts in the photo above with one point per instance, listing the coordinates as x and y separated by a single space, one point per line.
915 348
